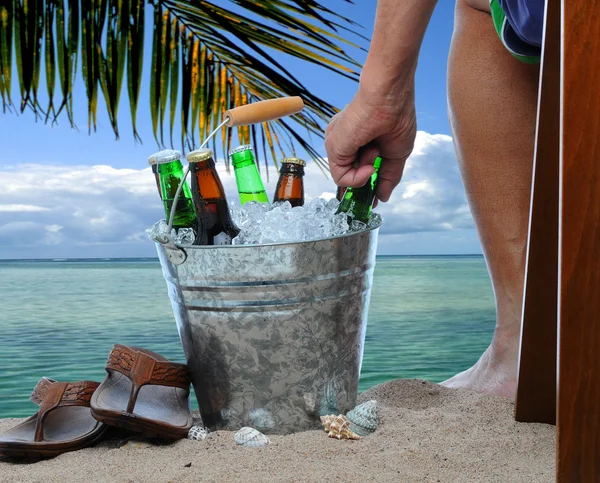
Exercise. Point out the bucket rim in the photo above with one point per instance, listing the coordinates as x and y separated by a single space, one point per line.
315 240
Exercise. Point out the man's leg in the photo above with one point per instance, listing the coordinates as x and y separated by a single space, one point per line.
492 100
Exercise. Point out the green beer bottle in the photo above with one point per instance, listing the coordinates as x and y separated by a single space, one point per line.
249 184
358 202
170 174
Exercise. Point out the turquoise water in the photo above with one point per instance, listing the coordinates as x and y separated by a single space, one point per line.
429 318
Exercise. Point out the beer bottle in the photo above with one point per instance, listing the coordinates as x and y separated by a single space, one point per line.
214 225
358 202
249 184
339 194
170 174
154 166
290 186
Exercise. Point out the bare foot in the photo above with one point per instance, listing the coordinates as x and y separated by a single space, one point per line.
494 373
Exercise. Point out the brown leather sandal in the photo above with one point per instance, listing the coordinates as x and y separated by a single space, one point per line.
144 392
63 423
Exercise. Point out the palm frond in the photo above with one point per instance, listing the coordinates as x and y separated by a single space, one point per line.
205 59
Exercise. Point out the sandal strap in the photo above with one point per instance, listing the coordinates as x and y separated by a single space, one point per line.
76 393
49 394
141 368
144 369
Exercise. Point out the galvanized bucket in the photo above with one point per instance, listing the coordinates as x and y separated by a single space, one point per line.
273 334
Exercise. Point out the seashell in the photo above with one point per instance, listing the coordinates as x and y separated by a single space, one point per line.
364 418
250 437
198 433
338 427
261 418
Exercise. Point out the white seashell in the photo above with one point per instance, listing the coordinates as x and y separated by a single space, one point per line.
261 418
250 437
198 433
364 418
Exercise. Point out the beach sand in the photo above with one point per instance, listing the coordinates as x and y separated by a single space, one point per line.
427 433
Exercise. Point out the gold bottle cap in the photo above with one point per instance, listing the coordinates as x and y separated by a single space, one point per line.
293 161
164 156
239 149
199 155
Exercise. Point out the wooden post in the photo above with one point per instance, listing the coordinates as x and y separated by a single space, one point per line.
536 389
578 426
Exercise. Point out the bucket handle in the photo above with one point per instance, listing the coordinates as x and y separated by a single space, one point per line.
262 111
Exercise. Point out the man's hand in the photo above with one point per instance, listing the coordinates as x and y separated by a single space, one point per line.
381 117
372 124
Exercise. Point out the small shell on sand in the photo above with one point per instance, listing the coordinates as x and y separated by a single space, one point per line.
364 418
338 427
250 437
198 433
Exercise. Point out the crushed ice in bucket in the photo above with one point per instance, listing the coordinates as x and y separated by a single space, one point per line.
261 223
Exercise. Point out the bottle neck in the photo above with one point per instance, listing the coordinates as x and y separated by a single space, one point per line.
205 181
289 168
172 167
242 159
247 177
203 165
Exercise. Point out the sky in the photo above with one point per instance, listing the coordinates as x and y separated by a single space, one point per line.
69 194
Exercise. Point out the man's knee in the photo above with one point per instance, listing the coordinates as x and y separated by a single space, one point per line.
481 5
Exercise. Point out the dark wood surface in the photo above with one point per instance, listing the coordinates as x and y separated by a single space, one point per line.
578 427
536 390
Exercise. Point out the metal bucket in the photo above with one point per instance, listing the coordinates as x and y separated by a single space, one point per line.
273 334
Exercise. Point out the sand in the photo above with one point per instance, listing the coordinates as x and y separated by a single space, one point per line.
427 433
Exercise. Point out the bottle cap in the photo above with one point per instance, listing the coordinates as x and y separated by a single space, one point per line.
199 155
239 149
293 161
165 156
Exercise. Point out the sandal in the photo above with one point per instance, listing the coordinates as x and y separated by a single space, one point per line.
145 393
63 423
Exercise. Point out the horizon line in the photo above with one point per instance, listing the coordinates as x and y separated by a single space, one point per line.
64 259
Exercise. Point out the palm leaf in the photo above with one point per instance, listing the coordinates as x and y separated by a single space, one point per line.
6 23
174 73
206 58
164 47
197 66
135 57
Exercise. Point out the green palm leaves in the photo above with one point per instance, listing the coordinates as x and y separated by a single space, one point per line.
205 59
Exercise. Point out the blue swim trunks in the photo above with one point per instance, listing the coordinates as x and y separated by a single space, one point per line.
520 24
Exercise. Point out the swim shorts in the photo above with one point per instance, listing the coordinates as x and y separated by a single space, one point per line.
519 24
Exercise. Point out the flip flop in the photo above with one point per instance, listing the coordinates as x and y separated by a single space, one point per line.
145 393
63 423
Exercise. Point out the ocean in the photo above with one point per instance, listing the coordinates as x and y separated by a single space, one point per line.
429 318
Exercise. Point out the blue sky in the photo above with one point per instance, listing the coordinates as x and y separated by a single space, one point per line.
34 152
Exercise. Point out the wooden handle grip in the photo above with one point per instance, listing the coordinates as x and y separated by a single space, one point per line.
263 111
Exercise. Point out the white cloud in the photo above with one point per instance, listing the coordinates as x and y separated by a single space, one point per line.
100 211
14 208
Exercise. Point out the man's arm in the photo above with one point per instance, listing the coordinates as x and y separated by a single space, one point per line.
381 117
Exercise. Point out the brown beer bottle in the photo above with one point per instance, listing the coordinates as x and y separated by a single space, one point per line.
290 186
214 225
154 166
